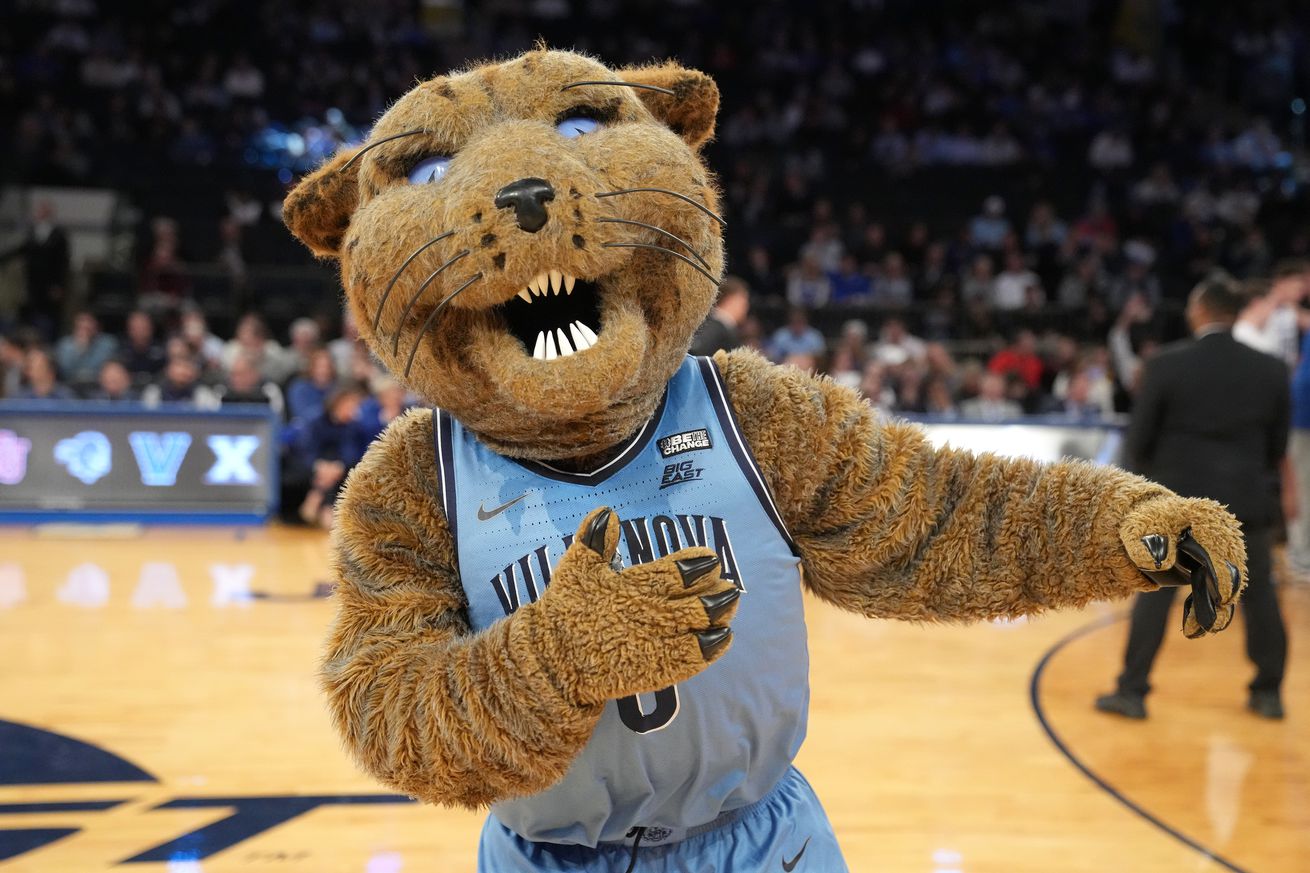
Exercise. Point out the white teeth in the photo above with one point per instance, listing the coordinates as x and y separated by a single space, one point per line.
525 296
556 279
539 352
534 287
579 340
564 348
587 333
568 283
551 354
543 283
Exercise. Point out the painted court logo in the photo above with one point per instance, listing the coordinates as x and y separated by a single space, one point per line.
13 457
687 441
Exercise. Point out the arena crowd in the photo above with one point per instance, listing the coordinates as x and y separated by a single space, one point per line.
984 212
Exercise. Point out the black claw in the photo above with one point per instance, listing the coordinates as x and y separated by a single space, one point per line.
717 604
1158 546
711 641
1235 578
693 569
1187 610
594 536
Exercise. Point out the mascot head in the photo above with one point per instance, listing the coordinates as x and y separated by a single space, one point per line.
529 245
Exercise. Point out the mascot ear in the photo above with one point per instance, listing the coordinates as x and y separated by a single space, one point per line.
318 210
690 110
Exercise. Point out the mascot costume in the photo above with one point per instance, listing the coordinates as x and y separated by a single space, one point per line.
572 591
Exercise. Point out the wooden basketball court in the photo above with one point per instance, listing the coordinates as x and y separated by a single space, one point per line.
159 712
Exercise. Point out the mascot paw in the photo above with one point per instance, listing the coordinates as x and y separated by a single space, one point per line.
629 631
1195 542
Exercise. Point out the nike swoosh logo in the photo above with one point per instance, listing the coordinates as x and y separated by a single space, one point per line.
791 865
484 515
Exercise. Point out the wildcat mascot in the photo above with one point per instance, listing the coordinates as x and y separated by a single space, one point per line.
572 591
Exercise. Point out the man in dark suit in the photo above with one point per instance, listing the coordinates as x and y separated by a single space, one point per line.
1211 420
45 255
721 328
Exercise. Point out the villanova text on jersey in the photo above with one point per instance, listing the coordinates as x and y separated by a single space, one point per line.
642 540
685 754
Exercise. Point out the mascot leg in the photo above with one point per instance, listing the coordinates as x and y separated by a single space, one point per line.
785 830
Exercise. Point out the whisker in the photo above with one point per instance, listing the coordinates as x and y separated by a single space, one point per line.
688 261
682 197
642 85
432 316
374 145
695 254
409 307
377 319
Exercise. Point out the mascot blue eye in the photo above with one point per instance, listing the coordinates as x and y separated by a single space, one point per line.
429 170
576 125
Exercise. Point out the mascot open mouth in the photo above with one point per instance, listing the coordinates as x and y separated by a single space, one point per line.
555 315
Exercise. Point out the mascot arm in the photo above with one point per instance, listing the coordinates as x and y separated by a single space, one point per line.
889 526
424 704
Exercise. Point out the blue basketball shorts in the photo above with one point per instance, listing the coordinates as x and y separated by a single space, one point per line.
786 830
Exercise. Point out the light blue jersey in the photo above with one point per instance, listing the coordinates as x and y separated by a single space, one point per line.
679 758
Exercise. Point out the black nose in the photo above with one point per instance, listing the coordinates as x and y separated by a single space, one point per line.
529 198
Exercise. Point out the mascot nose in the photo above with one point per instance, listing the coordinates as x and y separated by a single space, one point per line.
528 197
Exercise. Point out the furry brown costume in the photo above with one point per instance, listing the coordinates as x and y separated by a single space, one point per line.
886 525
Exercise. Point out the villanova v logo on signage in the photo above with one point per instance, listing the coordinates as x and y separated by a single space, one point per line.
159 455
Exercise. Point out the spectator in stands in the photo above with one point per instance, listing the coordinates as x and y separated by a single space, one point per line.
244 384
388 401
978 284
252 339
938 398
180 384
306 394
81 353
230 258
165 281
896 344
845 368
207 348
853 341
1020 358
802 361
989 229
333 443
1111 150
140 354
850 285
1077 404
45 255
991 404
1272 321
114 384
12 354
797 337
893 286
1014 286
910 387
40 379
345 347
1081 283
808 286
720 330
305 336
1136 280
874 387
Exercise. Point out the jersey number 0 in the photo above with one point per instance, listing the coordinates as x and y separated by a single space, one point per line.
641 722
